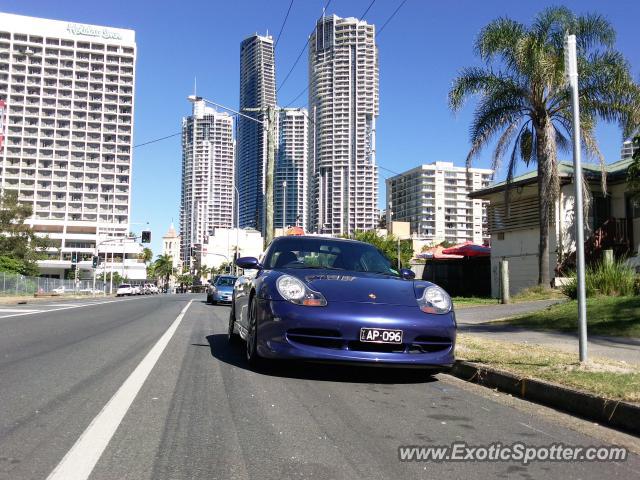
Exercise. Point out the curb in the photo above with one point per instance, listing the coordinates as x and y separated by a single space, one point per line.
613 413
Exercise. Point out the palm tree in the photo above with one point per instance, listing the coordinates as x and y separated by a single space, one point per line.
523 98
205 271
163 268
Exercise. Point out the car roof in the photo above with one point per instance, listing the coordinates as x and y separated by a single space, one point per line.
308 238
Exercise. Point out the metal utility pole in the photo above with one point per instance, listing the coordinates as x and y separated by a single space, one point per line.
571 72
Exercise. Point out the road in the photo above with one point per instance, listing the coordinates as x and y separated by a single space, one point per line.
201 413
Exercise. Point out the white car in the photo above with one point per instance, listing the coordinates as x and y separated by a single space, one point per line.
153 290
60 290
136 290
125 289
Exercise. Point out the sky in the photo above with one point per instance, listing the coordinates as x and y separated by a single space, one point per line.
420 52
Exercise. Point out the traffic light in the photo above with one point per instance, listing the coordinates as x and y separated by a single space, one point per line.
74 257
146 236
96 261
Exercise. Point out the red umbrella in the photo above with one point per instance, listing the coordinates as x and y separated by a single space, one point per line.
468 250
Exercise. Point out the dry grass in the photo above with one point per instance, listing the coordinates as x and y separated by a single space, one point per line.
607 378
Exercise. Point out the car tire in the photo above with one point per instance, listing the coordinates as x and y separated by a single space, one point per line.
232 336
213 302
253 358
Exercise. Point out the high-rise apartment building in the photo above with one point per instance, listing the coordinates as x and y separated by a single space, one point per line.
627 150
69 94
290 186
343 106
433 198
207 176
257 91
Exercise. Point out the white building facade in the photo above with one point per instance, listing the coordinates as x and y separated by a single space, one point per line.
433 198
343 107
226 244
290 187
69 95
208 153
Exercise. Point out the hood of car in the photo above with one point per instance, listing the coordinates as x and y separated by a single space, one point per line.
224 288
360 287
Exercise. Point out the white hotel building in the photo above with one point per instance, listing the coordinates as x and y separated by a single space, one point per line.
68 126
433 198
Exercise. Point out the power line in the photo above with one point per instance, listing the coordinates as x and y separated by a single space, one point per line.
157 140
367 10
390 17
301 51
283 24
297 97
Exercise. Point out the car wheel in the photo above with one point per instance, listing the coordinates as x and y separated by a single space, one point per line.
213 302
253 359
232 336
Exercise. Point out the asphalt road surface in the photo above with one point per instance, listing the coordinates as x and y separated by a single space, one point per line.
132 389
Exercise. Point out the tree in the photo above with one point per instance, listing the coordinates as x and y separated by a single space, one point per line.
523 98
163 268
20 247
388 245
147 254
205 272
118 279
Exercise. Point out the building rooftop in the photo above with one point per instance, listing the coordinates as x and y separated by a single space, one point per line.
614 171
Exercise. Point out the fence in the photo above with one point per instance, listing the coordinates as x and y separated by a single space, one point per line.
18 285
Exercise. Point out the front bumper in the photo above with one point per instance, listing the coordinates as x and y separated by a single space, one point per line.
332 333
222 297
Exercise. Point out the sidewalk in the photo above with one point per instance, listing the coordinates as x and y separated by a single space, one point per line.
480 321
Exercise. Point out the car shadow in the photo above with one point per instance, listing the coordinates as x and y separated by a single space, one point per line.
234 355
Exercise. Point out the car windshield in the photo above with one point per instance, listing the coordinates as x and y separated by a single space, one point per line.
225 281
125 285
326 253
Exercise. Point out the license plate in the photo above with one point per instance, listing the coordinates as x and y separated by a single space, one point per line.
380 335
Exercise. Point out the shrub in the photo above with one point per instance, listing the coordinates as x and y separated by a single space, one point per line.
616 279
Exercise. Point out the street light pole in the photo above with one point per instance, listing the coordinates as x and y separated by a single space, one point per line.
284 206
235 267
571 71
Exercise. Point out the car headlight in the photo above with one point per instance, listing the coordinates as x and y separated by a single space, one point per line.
295 291
435 300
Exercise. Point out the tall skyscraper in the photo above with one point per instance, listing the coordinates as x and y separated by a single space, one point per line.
343 106
257 90
291 167
433 198
207 176
69 94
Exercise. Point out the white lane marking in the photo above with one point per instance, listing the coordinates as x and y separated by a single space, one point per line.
79 462
14 310
66 307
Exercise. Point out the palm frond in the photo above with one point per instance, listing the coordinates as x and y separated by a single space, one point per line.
499 38
474 80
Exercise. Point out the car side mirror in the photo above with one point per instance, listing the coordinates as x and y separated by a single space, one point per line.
250 263
407 274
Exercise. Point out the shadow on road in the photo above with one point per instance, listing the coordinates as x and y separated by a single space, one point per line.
234 355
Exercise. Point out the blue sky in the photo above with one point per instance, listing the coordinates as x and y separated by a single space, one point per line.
421 50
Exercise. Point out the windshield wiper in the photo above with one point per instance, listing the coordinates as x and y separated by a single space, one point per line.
314 267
